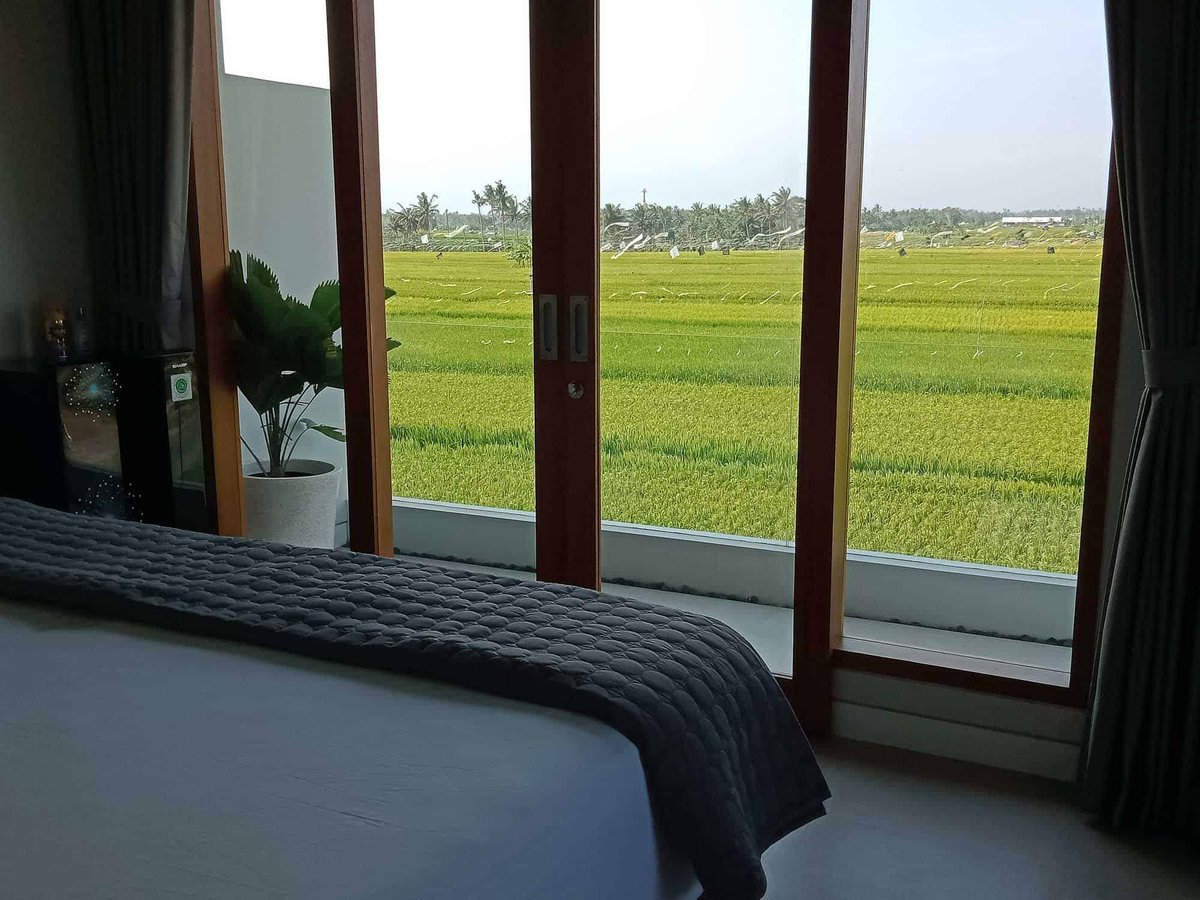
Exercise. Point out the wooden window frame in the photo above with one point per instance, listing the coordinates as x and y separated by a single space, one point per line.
354 111
564 127
836 139
565 188
208 237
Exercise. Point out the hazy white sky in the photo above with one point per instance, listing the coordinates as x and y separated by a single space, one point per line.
970 103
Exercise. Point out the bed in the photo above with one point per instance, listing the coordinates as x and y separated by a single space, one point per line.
492 737
138 763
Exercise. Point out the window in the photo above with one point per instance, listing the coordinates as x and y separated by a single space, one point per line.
975 299
986 171
279 188
455 173
703 124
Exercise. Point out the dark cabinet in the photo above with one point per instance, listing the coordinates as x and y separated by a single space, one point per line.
116 438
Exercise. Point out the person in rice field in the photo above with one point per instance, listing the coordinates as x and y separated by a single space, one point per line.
1050 249
903 252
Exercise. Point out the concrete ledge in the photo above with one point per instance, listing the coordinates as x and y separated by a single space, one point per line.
879 586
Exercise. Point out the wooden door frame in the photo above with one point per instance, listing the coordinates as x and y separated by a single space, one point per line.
354 112
354 108
836 136
566 201
837 98
208 237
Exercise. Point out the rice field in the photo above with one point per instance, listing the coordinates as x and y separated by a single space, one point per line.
972 383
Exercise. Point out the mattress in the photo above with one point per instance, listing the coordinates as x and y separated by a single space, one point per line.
728 768
137 763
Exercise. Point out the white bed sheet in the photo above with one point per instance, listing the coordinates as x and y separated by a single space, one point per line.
138 763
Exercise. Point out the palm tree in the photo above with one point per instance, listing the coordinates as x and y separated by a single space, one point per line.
500 201
611 212
402 220
788 208
524 211
512 209
480 201
762 213
397 221
742 210
642 216
425 209
696 221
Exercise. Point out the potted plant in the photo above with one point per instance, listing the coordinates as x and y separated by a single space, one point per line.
284 356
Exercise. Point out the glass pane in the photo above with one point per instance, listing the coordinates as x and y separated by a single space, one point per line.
455 171
703 149
276 128
987 144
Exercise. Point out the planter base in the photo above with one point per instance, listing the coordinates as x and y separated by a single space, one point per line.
300 509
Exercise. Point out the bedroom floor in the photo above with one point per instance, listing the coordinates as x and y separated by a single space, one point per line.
904 825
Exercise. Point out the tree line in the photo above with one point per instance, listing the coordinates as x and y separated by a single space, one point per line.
504 212
776 218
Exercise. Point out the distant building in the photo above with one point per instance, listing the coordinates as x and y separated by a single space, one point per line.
1032 220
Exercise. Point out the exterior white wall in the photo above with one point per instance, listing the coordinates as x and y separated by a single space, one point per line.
44 252
279 190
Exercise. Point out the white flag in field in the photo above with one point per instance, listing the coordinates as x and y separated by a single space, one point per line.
899 236
674 253
716 245
424 239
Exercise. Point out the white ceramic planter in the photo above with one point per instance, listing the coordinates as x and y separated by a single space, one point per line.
300 509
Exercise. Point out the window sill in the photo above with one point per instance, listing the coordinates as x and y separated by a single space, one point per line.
1003 657
933 593
1028 669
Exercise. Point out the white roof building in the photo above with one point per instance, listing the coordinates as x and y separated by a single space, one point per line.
1032 220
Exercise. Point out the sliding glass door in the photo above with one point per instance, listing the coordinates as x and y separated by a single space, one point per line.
984 191
281 209
457 219
604 248
704 115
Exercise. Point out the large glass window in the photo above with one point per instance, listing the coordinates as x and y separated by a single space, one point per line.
277 135
455 173
703 145
986 169
703 127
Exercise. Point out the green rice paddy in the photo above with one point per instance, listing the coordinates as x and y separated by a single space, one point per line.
972 384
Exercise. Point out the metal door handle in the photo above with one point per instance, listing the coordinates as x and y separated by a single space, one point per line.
579 328
547 326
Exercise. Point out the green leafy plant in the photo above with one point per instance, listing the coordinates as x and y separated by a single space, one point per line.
284 356
520 251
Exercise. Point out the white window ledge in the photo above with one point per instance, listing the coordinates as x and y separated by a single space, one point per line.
992 730
884 588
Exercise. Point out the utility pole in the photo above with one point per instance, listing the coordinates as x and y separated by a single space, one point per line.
643 196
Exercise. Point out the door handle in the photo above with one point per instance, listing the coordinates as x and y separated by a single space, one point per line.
547 326
578 313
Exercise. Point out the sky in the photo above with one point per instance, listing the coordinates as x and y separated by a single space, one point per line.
970 103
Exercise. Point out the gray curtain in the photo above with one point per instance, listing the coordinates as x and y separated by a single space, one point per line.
135 68
1141 768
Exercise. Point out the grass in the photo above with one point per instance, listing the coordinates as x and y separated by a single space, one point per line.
972 379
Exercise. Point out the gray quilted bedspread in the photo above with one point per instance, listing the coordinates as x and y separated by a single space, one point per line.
728 768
